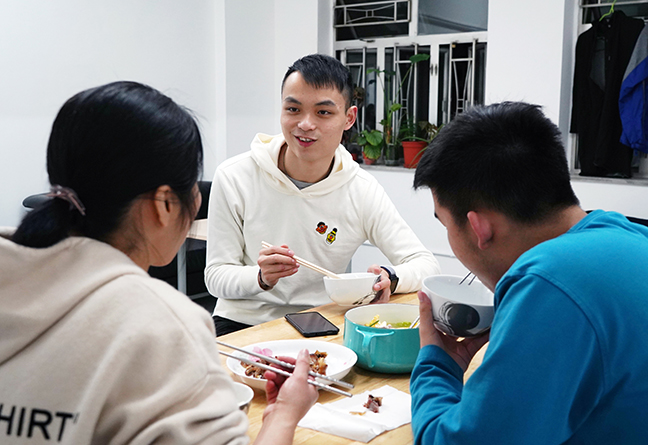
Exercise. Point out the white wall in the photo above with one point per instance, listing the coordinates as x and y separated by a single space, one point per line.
417 208
263 38
524 55
54 49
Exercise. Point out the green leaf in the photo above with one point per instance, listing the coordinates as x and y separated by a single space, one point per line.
416 58
375 138
396 107
372 152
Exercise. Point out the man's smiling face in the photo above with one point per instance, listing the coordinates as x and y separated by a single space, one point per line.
313 119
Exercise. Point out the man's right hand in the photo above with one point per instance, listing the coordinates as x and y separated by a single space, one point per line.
276 262
462 351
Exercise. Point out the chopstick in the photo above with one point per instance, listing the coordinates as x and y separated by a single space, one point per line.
471 280
416 322
287 374
308 264
287 365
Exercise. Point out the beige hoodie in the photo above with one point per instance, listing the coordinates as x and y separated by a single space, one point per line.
252 201
93 350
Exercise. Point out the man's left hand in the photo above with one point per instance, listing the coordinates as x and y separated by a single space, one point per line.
383 285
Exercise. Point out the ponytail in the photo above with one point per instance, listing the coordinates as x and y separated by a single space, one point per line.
46 225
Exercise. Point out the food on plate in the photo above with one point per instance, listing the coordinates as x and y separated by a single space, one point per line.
317 363
254 371
373 403
376 322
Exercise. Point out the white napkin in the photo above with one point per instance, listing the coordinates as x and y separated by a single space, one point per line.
336 418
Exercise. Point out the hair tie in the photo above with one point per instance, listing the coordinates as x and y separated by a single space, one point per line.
69 195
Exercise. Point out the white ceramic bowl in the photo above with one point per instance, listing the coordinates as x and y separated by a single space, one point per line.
460 310
244 395
340 359
351 289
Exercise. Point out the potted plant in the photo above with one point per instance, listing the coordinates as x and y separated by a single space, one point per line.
415 138
371 142
388 142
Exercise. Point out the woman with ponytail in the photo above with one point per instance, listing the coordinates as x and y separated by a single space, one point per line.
92 349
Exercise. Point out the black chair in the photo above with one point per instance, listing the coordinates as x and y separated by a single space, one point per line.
633 219
195 257
196 254
33 201
643 222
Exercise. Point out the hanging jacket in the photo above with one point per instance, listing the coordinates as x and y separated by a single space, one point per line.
602 55
633 98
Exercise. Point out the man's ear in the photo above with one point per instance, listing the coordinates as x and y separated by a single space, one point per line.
351 115
162 205
482 227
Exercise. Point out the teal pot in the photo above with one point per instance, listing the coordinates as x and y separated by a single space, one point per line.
382 350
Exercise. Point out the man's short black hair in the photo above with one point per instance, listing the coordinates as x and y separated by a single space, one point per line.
506 157
321 71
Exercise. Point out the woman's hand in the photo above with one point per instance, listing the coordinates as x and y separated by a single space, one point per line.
289 399
275 262
462 351
293 396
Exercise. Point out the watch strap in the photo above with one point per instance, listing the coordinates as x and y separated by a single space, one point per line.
392 277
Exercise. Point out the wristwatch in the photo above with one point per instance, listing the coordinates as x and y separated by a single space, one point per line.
262 283
392 277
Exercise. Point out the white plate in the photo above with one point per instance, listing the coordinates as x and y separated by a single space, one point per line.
340 359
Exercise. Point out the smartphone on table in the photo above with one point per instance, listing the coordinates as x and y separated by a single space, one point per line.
311 324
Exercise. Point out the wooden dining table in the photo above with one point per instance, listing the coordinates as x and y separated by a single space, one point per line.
362 379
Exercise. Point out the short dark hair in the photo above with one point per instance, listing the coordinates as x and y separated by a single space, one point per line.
321 71
110 145
506 157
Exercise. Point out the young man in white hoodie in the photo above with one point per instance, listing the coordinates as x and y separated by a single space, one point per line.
302 192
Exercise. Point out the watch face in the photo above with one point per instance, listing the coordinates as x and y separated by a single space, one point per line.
394 282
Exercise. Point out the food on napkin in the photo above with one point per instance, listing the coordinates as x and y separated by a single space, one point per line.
373 403
349 417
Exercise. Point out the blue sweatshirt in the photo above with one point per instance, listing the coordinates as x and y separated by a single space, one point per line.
567 360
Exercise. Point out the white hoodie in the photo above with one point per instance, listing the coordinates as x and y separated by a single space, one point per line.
93 350
251 201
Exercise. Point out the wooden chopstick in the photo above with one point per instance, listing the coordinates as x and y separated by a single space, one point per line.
308 264
288 365
287 374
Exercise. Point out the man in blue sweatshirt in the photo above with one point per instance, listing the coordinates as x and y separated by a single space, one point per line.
567 360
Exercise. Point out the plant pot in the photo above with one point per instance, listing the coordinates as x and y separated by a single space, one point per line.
412 152
368 161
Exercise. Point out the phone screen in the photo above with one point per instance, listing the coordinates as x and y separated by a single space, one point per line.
312 324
